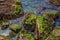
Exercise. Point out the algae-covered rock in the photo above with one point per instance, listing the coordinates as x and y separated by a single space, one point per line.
2 37
15 28
29 22
55 35
4 24
10 9
46 23
12 34
25 36
55 2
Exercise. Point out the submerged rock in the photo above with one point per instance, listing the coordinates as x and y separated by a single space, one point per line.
2 37
12 34
45 24
55 2
15 28
25 36
55 35
10 9
4 24
29 22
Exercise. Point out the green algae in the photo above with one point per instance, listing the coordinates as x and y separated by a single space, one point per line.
45 23
16 13
25 35
15 28
4 24
2 37
30 19
55 35
29 22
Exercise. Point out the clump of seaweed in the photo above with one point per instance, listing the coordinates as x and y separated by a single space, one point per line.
4 24
2 37
55 35
15 28
15 14
25 36
29 22
45 24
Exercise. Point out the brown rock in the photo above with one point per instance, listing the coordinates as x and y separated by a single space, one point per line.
6 6
55 2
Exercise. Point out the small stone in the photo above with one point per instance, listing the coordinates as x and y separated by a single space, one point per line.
4 24
15 28
55 2
2 37
12 34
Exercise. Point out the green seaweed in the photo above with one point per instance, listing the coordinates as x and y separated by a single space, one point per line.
4 24
2 37
55 35
30 19
25 35
45 23
15 28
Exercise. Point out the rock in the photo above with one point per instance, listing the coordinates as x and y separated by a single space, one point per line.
10 9
55 35
55 2
29 22
12 34
45 24
25 36
4 24
2 37
15 28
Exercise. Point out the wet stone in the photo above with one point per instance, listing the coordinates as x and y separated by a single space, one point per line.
55 2
15 28
6 7
10 9
4 24
29 22
2 37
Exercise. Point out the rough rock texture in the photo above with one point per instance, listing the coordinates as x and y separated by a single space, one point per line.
55 2
7 6
55 35
4 38
10 9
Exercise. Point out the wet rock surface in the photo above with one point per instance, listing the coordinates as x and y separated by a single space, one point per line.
10 9
55 2
43 8
6 7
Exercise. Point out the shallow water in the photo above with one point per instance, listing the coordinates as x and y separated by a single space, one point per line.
36 6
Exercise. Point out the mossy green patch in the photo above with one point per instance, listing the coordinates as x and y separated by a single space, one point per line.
30 19
15 27
2 37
